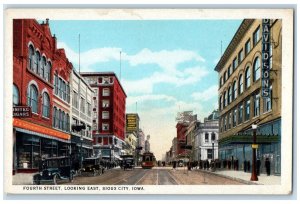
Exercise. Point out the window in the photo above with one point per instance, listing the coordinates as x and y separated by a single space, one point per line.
225 99
63 90
57 119
225 77
247 77
221 103
247 110
63 120
234 117
240 56
241 113
105 92
59 88
247 47
206 137
60 119
105 115
229 71
89 109
234 64
229 95
56 85
256 36
46 105
229 120
256 74
75 100
15 95
225 123
67 92
106 80
30 57
268 101
209 153
36 61
47 71
32 98
105 126
42 66
82 105
234 93
105 103
241 84
213 136
54 116
256 105
221 81
67 123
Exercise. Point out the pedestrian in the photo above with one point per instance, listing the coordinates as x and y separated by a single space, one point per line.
258 164
245 165
248 166
268 166
174 165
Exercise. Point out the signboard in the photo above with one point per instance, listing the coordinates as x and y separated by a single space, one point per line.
22 111
266 43
132 121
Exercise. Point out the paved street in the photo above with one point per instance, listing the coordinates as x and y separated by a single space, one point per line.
155 176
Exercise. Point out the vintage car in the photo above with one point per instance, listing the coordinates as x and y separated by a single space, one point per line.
93 165
128 162
54 169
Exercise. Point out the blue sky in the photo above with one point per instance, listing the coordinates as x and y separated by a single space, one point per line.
167 65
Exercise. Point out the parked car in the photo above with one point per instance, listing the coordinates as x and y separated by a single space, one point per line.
54 169
92 165
128 162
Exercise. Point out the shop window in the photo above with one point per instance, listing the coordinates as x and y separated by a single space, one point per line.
15 95
32 98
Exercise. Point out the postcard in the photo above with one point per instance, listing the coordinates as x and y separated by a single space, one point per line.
148 101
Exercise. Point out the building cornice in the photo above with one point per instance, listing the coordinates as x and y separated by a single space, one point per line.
245 25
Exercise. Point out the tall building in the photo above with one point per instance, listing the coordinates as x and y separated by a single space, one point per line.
41 95
109 112
81 115
250 94
206 138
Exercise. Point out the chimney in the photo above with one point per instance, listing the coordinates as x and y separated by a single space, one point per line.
47 21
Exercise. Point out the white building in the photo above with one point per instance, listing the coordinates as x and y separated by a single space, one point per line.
81 115
206 138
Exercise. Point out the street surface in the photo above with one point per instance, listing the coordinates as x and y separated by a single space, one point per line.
155 176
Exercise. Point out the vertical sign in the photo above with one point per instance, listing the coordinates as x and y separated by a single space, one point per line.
266 43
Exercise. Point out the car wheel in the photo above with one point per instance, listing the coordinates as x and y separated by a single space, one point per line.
55 179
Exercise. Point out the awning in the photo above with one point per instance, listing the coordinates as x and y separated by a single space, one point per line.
35 129
248 139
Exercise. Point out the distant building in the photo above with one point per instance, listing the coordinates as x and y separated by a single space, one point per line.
109 112
147 144
206 138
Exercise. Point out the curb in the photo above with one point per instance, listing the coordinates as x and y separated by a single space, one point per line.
229 177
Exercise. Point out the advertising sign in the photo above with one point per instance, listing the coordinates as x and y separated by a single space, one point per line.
131 122
266 43
22 111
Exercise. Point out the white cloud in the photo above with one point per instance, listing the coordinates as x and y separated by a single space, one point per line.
206 94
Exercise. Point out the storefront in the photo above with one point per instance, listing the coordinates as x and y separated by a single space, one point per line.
238 147
33 142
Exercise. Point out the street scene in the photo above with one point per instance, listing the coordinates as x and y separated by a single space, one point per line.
168 102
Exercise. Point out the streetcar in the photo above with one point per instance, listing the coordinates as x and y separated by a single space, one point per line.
148 160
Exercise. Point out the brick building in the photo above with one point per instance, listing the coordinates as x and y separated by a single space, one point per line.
108 112
36 60
241 101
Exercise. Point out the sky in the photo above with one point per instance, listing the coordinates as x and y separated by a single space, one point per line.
166 66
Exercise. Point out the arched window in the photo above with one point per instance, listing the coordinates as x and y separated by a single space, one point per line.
221 103
247 77
15 95
229 95
42 66
234 92
256 69
47 71
54 116
32 98
241 88
46 105
36 61
225 77
30 57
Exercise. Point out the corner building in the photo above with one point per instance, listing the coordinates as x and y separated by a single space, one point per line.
40 81
108 113
240 102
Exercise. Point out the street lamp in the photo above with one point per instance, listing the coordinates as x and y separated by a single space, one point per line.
81 139
254 147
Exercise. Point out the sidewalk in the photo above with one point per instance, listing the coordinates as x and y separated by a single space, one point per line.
244 177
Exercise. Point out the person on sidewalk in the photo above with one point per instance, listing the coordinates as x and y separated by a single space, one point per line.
174 165
268 166
245 166
258 163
